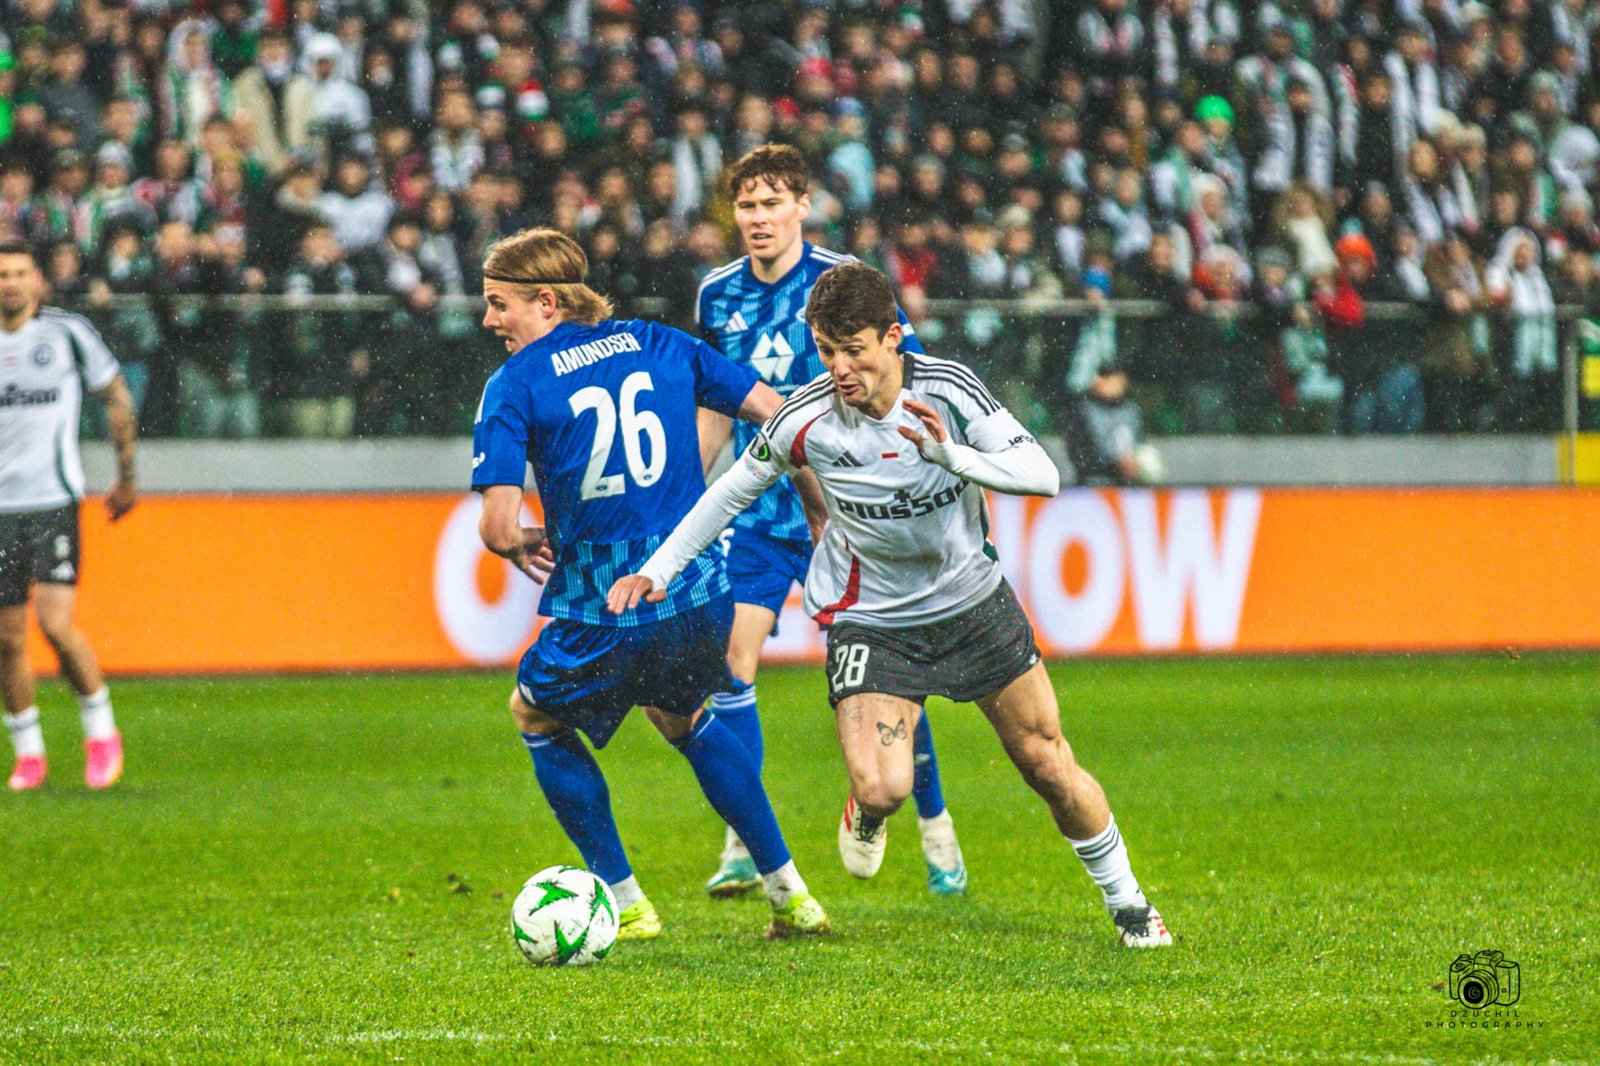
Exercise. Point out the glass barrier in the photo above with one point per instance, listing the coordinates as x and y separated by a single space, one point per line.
370 366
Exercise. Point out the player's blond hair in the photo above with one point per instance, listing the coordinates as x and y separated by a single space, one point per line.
534 259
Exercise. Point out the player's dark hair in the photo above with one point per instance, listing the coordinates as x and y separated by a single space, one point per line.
779 165
534 259
16 246
849 298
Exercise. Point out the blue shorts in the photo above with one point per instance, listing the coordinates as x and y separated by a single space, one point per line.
761 568
589 677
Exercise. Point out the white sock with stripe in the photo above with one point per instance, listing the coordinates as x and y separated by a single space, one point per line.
1105 856
26 736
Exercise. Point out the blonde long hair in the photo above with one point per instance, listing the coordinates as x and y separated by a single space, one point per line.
534 259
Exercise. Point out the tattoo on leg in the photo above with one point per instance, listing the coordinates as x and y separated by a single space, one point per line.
889 736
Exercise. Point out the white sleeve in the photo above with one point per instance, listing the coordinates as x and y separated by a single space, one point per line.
751 475
1002 456
95 361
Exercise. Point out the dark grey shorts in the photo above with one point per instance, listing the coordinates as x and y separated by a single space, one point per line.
35 547
966 657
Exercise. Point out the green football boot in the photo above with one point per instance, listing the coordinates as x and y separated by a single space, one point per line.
639 922
801 916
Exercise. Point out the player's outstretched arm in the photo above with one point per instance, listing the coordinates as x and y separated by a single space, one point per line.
760 404
731 493
501 529
1003 455
124 429
715 428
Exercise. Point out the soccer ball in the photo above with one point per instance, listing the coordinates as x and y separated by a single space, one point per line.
564 916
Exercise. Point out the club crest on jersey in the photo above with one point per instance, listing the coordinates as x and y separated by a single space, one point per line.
772 357
41 355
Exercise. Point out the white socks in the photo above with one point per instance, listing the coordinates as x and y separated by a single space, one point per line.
783 884
733 847
939 845
1106 858
626 892
98 724
26 736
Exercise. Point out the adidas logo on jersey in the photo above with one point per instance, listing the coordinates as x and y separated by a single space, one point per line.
772 357
845 459
737 324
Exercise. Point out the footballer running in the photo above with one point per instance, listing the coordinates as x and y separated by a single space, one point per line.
902 446
48 360
753 311
604 411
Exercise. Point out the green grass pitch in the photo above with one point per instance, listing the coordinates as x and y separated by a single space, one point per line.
322 869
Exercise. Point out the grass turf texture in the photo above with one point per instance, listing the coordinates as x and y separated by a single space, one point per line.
284 874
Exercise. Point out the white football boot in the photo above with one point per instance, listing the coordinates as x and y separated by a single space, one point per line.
861 845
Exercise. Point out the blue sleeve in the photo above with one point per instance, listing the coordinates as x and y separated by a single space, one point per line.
719 383
910 342
500 436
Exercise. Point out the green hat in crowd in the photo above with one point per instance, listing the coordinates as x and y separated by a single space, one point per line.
1211 107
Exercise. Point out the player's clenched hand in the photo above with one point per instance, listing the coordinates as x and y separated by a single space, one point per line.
121 498
628 591
534 557
930 421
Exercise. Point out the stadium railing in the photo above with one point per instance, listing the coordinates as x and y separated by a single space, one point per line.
273 365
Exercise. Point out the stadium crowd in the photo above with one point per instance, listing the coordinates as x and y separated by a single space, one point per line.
1263 170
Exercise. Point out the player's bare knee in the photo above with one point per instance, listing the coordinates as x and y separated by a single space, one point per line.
13 641
57 631
672 726
532 720
1046 764
881 791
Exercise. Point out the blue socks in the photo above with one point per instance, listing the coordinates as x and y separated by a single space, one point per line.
925 787
731 780
577 792
737 709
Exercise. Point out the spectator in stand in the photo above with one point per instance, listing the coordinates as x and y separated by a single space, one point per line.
1516 288
65 96
455 151
1575 231
171 193
1298 146
1125 216
358 212
1105 434
277 101
1381 388
341 112
319 364
192 88
1456 373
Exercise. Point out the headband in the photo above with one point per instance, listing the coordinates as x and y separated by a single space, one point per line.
532 281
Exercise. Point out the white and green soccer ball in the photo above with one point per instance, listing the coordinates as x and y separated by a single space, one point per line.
564 916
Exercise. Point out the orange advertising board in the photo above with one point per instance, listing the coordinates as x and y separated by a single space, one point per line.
221 584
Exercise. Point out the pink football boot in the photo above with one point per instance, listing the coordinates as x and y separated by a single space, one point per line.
29 773
103 765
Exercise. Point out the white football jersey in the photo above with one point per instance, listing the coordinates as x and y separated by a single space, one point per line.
44 369
907 540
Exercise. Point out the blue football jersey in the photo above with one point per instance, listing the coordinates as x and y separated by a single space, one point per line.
763 327
606 416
